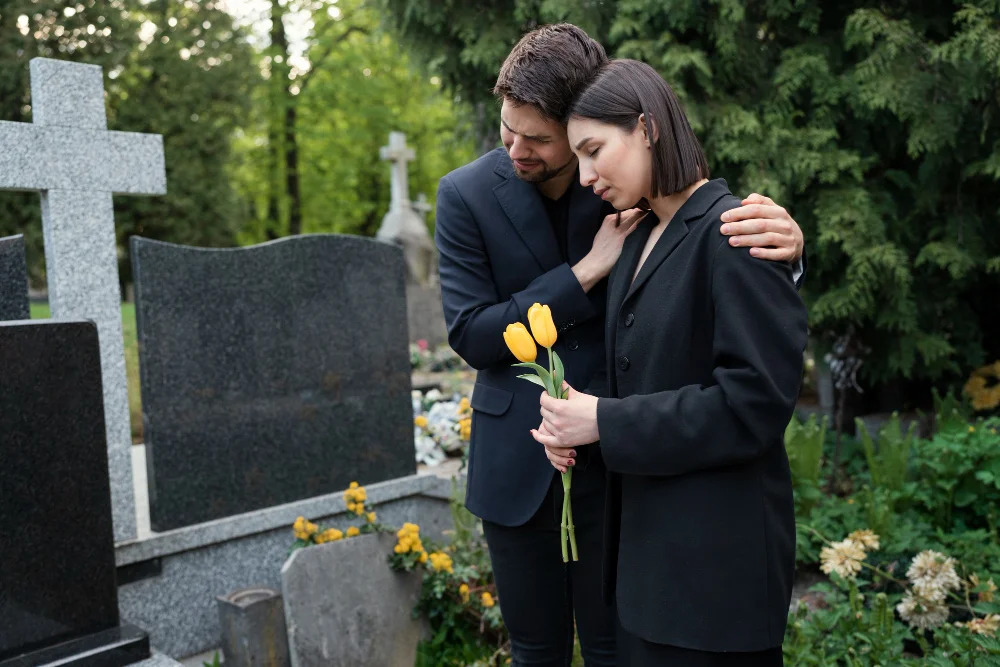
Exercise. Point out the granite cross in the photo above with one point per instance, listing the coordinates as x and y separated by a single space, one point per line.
69 156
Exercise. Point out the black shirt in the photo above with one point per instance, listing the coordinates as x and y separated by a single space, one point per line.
558 210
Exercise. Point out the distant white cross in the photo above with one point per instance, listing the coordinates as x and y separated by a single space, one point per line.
399 153
69 156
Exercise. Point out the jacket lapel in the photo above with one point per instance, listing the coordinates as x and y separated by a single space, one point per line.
697 205
669 239
523 205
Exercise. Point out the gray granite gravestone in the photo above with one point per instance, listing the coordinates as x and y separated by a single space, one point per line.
69 156
336 618
58 594
13 280
270 373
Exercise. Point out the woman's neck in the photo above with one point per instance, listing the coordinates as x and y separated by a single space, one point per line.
666 207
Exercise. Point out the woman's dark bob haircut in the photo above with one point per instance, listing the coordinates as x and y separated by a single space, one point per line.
624 89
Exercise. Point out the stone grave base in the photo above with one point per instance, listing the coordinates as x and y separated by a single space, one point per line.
168 581
115 647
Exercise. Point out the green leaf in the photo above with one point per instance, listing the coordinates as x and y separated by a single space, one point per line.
542 373
558 373
533 378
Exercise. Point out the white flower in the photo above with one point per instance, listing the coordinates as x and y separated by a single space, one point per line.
933 576
920 613
427 450
842 557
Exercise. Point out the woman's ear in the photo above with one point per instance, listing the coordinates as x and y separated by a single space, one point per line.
646 127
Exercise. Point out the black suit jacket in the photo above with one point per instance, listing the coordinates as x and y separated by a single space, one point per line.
704 361
498 256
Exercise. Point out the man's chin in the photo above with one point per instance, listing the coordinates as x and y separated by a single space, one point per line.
533 176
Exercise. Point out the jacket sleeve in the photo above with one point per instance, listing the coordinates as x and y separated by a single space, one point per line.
759 336
475 312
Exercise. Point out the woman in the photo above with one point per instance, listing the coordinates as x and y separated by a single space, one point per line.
704 357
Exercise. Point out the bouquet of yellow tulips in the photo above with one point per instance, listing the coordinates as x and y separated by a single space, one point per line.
522 345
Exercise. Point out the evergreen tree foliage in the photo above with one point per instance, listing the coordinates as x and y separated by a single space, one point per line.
877 125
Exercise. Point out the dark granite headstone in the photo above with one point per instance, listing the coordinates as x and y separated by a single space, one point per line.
58 594
270 373
13 279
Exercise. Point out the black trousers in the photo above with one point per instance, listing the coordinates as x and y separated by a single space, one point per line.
539 595
634 651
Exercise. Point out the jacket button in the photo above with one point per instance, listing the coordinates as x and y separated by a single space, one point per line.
629 319
573 344
623 362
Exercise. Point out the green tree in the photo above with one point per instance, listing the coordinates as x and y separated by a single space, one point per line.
876 125
99 33
333 115
189 79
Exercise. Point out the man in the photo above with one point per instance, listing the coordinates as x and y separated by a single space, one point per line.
515 227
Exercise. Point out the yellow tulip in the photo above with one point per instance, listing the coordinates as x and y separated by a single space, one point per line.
520 343
542 326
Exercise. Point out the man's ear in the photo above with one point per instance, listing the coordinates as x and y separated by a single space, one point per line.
646 128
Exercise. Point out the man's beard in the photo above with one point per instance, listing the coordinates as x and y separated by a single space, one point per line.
543 174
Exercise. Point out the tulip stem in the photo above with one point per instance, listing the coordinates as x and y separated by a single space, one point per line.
564 526
568 513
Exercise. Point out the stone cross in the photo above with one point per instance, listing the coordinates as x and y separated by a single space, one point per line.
401 224
399 154
421 205
69 156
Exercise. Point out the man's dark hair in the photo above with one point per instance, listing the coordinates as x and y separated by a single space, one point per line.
549 67
622 91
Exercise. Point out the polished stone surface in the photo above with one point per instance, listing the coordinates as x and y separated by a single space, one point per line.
69 156
270 373
117 647
57 574
13 279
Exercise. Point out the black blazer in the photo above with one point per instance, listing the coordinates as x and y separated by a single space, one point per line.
704 360
498 255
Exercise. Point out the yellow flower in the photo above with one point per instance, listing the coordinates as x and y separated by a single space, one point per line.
352 485
352 531
420 421
329 535
991 588
520 343
399 548
465 428
463 591
441 562
488 600
866 538
972 429
350 507
464 406
423 556
985 626
542 326
371 517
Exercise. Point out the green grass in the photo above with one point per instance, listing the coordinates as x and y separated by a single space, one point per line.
41 311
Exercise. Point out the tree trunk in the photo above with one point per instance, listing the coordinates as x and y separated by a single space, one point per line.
292 186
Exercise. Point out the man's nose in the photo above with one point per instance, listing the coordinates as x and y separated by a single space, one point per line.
519 149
